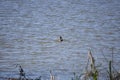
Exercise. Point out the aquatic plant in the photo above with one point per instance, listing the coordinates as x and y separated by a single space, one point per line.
93 72
52 77
110 71
75 77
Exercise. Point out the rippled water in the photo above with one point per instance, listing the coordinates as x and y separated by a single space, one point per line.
30 29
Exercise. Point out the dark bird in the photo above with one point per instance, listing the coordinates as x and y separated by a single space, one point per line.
61 39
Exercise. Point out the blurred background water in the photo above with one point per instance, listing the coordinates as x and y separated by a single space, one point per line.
29 30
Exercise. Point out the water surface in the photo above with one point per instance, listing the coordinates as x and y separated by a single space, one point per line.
30 29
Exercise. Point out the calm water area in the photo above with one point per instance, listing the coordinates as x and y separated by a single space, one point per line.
30 30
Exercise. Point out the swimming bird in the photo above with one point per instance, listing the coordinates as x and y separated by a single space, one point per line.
61 39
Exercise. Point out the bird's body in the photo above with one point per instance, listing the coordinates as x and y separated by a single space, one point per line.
61 39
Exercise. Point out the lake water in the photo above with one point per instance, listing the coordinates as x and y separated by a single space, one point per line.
30 29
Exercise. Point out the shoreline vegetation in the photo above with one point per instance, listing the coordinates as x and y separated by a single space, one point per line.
92 71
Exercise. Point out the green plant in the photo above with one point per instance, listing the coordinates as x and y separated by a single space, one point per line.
93 70
110 71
